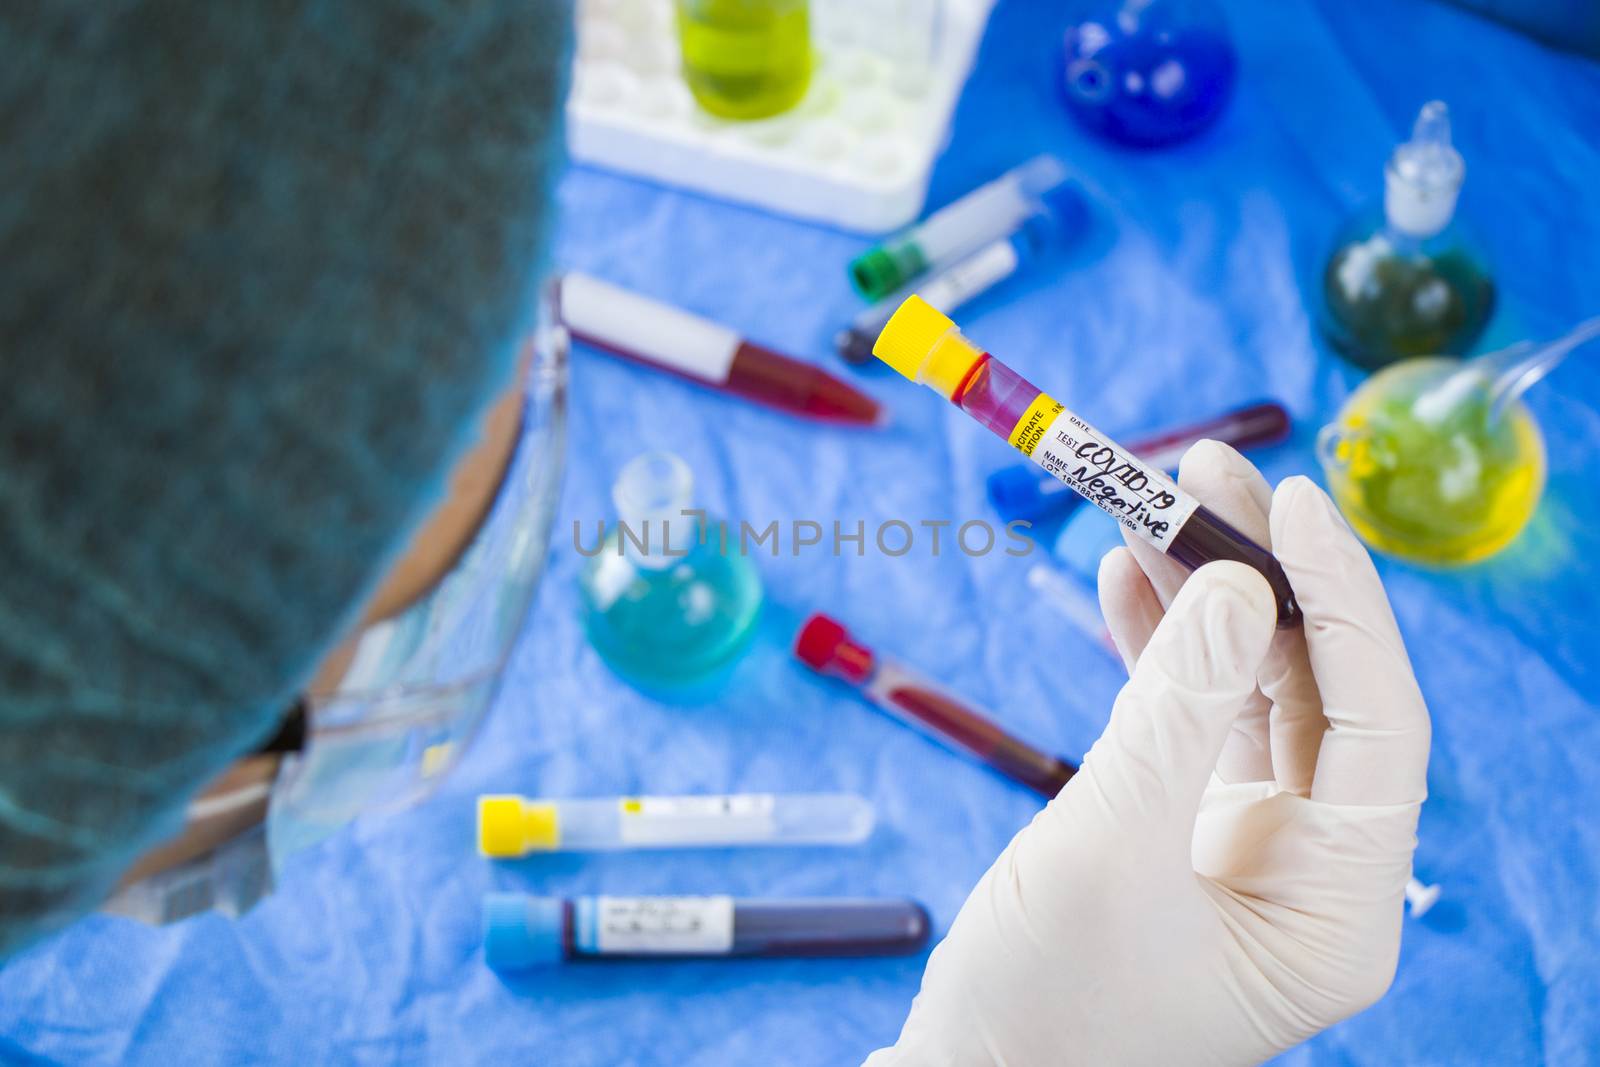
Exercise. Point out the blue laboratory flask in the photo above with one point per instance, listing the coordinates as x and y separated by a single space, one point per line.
669 601
1409 281
1148 72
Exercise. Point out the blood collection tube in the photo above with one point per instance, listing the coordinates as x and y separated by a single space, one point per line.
988 213
647 331
521 931
1028 491
924 345
1061 215
510 826
827 647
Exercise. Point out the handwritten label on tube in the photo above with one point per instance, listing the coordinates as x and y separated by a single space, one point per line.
672 926
1139 496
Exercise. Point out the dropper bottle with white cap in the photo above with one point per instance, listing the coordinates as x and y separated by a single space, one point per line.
1409 282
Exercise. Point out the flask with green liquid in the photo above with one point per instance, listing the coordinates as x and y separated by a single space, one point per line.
1436 460
745 59
1409 283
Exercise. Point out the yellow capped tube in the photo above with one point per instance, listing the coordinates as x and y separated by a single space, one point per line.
510 826
923 344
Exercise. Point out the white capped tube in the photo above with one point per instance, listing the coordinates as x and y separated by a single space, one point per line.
988 213
1073 602
637 327
510 826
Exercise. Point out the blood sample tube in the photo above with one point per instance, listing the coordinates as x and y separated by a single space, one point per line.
827 647
511 826
521 931
648 332
1026 491
924 345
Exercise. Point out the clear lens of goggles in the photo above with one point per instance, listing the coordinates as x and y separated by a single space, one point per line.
410 701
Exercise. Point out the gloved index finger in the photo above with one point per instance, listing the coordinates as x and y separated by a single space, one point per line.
1375 750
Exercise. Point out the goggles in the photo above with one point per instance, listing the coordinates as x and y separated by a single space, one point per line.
408 701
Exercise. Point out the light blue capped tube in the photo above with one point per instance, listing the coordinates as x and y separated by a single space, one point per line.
522 932
1084 540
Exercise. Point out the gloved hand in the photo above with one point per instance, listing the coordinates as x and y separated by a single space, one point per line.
1225 876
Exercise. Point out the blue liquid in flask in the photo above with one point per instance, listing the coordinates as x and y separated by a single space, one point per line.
1149 73
670 601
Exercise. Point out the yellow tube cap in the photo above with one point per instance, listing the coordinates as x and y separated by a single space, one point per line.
509 826
910 335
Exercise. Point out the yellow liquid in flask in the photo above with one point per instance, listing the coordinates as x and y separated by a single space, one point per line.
1441 484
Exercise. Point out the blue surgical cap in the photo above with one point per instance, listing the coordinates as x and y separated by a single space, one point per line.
264 265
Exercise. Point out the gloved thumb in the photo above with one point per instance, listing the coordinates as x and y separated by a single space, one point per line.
1170 721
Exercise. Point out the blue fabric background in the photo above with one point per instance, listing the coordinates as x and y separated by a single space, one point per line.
1185 298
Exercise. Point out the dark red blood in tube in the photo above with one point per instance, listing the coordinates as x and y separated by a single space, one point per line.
758 373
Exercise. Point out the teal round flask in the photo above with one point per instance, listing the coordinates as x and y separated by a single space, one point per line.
669 600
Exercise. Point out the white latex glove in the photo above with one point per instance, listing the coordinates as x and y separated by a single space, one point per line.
1225 876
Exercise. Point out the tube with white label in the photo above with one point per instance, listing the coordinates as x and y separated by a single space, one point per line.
521 931
511 826
924 345
1027 491
649 332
